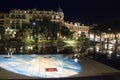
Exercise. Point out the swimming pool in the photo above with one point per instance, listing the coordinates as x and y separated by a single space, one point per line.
43 66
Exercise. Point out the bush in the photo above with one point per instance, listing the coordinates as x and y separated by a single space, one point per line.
61 42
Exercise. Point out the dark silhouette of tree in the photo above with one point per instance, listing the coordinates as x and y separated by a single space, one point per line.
65 32
113 26
55 28
2 32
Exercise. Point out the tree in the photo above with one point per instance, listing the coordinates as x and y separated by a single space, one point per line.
24 32
54 29
48 28
65 32
96 30
84 42
2 33
45 25
110 27
113 27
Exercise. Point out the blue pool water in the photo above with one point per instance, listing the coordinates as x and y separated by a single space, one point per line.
36 65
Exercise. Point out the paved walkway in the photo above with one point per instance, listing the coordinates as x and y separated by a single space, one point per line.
94 68
90 68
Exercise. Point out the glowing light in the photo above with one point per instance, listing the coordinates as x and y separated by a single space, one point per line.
109 29
24 11
110 52
91 37
75 54
118 55
91 48
97 49
105 46
34 23
30 47
79 32
76 60
75 24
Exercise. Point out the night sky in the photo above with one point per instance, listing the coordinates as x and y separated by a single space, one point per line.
85 11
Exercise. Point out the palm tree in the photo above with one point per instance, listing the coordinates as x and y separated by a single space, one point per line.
114 28
111 27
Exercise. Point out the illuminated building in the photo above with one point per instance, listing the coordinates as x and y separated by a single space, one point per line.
77 28
4 19
17 17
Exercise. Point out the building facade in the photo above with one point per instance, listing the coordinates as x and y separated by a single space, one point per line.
77 28
19 17
16 18
4 19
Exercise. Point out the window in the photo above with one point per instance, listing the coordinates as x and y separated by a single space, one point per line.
17 21
12 16
1 16
1 22
23 16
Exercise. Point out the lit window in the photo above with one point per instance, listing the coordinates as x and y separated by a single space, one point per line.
24 11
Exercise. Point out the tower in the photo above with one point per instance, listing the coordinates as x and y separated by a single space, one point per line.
61 13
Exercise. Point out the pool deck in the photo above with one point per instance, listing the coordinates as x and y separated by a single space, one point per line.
90 69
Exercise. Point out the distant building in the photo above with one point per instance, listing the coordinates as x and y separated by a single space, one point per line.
77 28
17 17
4 19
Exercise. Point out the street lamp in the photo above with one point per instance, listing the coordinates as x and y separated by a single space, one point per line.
79 33
33 24
108 37
109 29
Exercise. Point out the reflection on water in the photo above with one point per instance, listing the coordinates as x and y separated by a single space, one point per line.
106 49
109 50
106 53
36 49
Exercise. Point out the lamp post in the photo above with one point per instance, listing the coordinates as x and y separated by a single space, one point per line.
108 37
33 24
109 29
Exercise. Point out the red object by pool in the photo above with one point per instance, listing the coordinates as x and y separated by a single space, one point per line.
51 69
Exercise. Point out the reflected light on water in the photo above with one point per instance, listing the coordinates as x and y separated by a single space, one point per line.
76 60
97 48
110 52
118 55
